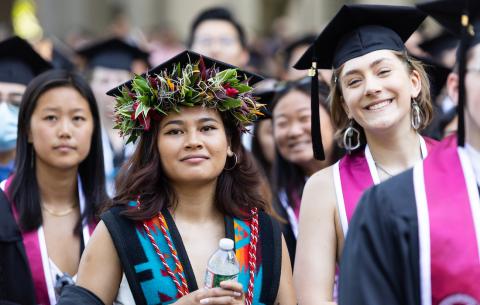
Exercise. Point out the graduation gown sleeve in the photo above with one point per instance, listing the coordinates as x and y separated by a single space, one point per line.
16 284
380 263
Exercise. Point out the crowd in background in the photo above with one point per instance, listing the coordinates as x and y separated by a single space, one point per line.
280 142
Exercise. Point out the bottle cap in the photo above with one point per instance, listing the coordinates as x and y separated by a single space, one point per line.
226 244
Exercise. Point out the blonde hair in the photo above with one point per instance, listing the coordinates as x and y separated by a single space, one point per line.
339 116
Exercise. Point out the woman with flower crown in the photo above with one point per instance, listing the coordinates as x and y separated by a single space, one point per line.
188 184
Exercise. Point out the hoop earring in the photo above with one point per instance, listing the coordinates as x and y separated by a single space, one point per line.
416 115
234 164
351 136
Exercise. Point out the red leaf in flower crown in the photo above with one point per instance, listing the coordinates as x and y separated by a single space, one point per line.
231 92
203 69
134 106
145 122
153 81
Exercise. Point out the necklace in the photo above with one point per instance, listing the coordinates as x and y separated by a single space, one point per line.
59 213
383 170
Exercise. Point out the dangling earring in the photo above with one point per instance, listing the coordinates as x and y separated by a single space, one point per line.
416 115
234 164
351 137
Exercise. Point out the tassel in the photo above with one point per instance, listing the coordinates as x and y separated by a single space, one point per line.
318 151
462 52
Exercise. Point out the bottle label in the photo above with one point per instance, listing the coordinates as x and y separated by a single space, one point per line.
213 280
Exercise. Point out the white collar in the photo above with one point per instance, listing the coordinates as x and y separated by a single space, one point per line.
474 156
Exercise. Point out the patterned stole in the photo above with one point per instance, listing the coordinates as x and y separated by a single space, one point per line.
36 251
448 210
355 173
158 287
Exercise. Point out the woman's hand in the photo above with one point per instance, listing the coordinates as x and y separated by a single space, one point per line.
229 292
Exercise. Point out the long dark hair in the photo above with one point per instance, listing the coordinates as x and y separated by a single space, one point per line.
236 192
24 189
259 154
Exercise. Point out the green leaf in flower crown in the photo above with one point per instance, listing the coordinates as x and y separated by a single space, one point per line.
231 103
242 88
139 110
141 84
132 138
145 111
179 70
225 75
121 100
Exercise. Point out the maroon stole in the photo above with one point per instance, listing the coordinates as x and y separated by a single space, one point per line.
36 251
448 209
355 173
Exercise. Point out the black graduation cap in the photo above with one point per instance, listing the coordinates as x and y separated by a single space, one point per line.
183 59
355 31
19 63
360 29
113 53
463 18
435 46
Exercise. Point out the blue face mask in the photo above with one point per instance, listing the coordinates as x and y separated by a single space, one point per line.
8 126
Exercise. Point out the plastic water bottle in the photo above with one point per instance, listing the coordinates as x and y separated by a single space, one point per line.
222 265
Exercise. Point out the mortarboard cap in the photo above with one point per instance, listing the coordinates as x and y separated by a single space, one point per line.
355 30
449 14
461 17
360 29
437 45
184 58
19 63
113 53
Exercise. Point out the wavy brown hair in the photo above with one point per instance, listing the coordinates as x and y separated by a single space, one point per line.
237 191
339 116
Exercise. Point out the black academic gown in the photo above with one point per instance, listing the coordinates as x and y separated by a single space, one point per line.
16 284
380 262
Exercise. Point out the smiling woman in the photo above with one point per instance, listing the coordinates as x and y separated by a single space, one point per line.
188 184
380 101
294 160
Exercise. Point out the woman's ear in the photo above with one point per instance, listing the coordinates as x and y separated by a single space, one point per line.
229 151
452 87
416 82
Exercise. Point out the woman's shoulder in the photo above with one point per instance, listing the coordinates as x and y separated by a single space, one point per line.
319 188
321 180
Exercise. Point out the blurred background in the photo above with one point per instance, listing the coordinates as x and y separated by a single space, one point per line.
162 26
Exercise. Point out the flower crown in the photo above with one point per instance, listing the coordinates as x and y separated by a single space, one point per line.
152 96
